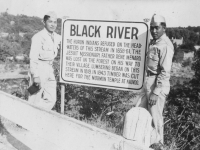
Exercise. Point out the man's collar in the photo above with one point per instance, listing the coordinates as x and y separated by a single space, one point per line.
47 32
162 37
153 42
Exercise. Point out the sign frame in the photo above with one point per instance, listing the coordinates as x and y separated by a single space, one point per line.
62 80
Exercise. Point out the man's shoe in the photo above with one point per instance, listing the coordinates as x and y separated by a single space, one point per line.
157 146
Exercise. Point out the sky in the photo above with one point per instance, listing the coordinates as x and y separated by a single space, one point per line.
178 13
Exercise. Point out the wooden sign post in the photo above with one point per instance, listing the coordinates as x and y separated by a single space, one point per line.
62 103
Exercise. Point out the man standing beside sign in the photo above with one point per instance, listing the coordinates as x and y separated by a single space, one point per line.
44 49
158 67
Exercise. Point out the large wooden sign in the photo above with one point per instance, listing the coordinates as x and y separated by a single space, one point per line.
108 54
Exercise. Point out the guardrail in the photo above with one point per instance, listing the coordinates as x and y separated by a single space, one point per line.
65 132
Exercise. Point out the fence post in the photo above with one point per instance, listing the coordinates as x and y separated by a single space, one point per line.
62 103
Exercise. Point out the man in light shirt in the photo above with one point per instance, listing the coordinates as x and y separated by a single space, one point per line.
44 49
156 86
158 67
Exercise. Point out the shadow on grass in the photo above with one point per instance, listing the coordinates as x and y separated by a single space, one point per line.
11 139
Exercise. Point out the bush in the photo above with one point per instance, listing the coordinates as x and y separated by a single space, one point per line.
182 127
94 105
187 62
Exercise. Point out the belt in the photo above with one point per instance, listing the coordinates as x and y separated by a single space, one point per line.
50 62
149 73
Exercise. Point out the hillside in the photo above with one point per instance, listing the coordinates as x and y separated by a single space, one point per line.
16 33
22 24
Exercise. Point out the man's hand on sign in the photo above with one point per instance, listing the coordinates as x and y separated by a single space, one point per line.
37 81
153 99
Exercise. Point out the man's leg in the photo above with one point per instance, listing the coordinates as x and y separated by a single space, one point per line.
35 98
157 115
142 101
48 98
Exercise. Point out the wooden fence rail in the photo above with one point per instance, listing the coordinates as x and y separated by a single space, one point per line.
65 132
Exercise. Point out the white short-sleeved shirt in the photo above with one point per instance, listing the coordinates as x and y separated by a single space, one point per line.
44 47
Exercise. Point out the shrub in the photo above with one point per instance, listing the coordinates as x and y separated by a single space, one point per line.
182 113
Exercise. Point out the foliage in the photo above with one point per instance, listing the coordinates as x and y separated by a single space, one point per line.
175 52
190 36
182 113
92 103
188 47
100 106
187 62
16 87
20 30
20 23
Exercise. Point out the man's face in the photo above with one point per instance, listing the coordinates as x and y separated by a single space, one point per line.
51 24
157 30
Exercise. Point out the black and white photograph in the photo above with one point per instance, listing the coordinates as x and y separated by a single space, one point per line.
99 75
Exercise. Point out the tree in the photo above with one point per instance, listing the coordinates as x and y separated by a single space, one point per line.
193 37
177 33
170 33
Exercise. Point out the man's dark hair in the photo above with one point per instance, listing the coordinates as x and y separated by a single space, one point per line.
163 24
46 17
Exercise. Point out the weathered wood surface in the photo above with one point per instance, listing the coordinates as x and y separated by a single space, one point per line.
137 125
65 132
